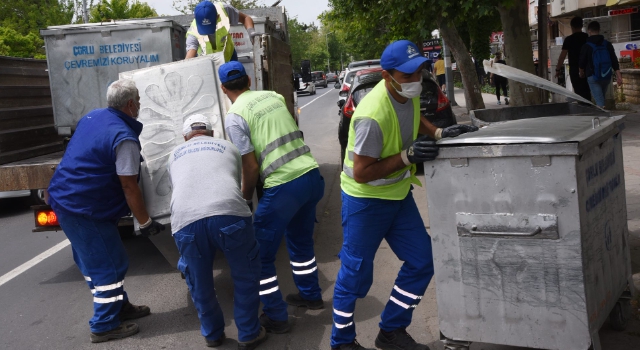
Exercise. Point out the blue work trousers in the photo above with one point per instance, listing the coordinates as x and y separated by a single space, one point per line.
197 243
598 89
100 255
365 222
288 210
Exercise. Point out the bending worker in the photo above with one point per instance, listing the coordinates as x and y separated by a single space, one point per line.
213 215
209 31
378 174
271 144
94 186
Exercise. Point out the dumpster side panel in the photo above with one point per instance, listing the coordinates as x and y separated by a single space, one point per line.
82 64
603 211
169 94
511 278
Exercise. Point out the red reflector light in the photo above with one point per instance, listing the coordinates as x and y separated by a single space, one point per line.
443 101
349 108
47 218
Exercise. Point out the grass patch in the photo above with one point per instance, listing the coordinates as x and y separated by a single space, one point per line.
486 89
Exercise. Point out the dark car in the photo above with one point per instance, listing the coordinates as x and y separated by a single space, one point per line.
332 78
434 105
319 78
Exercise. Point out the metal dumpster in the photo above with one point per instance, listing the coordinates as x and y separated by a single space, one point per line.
84 59
529 230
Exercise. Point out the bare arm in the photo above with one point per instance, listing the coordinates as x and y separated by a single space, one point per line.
250 174
247 21
563 55
366 169
191 54
426 128
133 196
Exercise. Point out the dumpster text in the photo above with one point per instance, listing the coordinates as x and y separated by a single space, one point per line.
601 166
601 194
104 61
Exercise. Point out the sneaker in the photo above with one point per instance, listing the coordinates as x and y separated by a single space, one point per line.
298 300
252 344
131 312
272 326
499 102
217 342
398 339
122 331
351 346
506 101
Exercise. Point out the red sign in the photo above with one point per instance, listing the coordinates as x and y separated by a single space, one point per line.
620 12
497 37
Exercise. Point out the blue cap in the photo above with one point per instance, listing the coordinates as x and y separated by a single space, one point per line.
229 67
206 17
402 55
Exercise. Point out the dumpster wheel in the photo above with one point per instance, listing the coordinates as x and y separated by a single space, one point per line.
455 344
620 315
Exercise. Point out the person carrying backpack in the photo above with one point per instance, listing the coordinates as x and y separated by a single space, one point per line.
597 63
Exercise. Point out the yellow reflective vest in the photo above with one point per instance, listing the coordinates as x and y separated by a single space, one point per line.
224 42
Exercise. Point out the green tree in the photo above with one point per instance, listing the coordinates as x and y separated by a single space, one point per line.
120 9
186 6
14 44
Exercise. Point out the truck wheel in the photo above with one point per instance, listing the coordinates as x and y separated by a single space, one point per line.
619 316
37 197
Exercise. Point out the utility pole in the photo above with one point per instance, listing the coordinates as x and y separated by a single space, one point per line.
326 38
448 74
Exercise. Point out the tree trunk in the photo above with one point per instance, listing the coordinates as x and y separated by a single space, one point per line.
472 91
518 51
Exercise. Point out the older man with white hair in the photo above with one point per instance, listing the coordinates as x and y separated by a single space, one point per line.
94 186
208 213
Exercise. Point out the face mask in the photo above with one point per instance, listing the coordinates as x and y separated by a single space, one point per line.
409 90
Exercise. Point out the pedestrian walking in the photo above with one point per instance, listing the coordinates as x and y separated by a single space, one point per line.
208 213
209 31
439 72
377 203
572 46
95 184
272 150
597 63
500 82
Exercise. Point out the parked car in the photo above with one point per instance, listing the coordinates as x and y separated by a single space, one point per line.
319 78
350 72
434 105
305 88
332 78
341 76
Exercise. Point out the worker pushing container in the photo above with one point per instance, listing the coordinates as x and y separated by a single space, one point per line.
535 253
84 59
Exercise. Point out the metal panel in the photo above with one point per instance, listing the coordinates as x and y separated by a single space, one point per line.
85 59
169 94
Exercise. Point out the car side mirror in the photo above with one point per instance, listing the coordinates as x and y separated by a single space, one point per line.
341 103
343 93
337 85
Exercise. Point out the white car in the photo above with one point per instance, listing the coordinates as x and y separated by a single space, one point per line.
306 88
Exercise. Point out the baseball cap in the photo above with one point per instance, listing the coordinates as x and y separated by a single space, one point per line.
196 122
402 55
229 67
206 17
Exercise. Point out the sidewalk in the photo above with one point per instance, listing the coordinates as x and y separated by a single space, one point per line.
460 111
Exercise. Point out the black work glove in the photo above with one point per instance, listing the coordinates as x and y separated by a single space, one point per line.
420 151
153 229
459 129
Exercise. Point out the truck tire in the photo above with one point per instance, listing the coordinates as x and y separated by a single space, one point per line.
37 197
619 316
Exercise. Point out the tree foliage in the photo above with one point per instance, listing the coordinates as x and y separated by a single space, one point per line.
120 9
14 44
186 6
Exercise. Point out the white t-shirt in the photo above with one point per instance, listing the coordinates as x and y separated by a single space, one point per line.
205 176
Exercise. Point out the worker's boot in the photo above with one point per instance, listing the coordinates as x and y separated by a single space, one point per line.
131 312
351 346
298 300
122 331
217 342
272 326
398 339
252 344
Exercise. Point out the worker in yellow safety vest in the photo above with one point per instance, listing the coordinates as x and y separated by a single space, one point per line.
209 31
376 181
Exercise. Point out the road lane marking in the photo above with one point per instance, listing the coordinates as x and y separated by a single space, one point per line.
316 98
33 262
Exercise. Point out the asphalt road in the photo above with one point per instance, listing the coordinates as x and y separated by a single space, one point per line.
49 304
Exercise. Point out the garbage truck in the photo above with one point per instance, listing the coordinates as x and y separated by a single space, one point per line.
82 60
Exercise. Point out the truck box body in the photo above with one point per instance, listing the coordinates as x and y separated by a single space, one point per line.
84 59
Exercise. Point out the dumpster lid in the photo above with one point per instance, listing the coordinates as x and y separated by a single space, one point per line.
110 26
533 80
556 129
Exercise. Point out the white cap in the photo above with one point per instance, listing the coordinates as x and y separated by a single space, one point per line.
202 123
